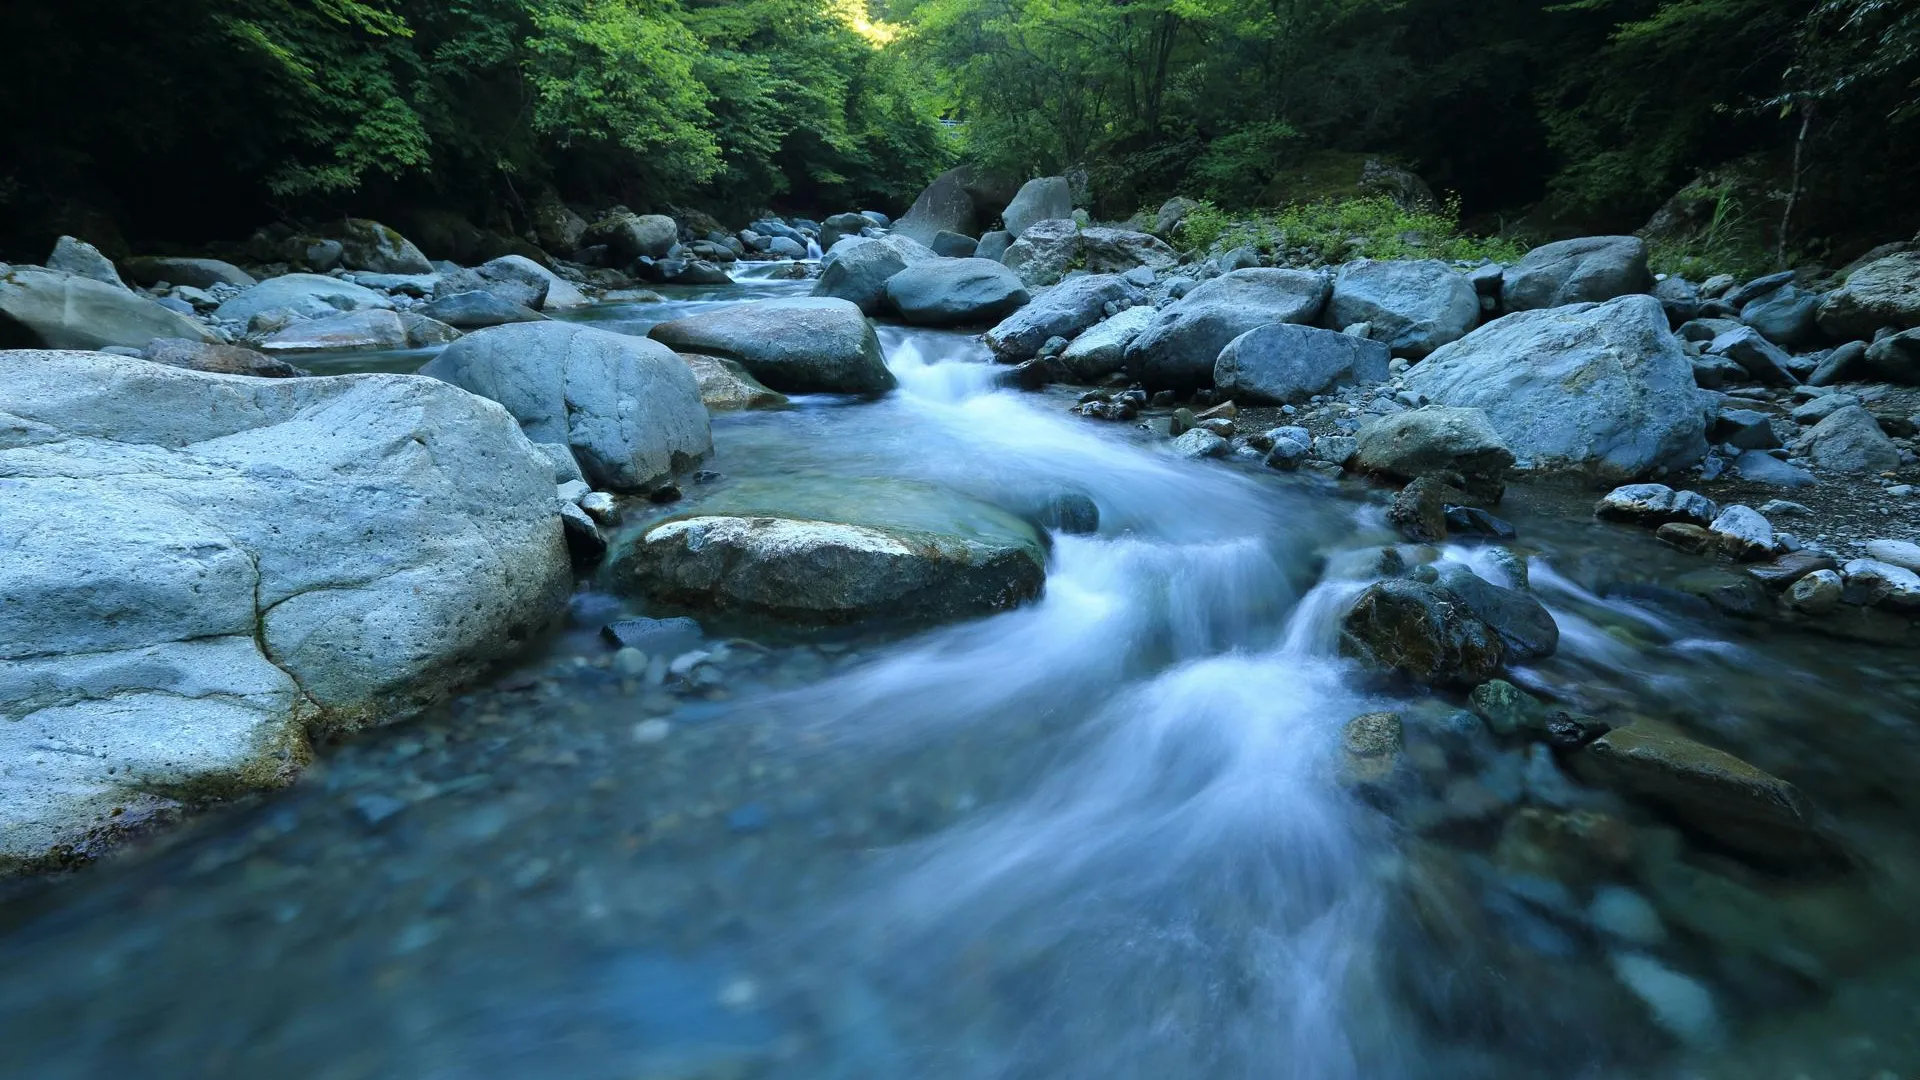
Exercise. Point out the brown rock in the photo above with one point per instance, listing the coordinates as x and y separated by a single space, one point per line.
1686 537
217 359
1421 632
1420 510
1791 567
1719 795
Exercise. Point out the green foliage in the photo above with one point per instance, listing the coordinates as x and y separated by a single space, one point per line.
320 104
1330 232
1607 106
1724 236
1237 168
330 68
620 73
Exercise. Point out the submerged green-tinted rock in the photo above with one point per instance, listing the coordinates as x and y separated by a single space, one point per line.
837 552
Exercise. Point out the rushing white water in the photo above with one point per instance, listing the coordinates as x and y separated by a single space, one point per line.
1187 877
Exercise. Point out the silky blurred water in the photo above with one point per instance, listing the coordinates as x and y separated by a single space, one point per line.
1102 836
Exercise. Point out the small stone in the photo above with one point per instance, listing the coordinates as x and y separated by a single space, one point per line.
1200 443
1817 593
1371 745
1654 505
684 664
630 661
1684 536
1818 409
1791 567
1880 584
1570 731
651 731
1781 507
1473 521
1900 553
585 542
1504 707
1335 449
599 506
1743 533
1419 511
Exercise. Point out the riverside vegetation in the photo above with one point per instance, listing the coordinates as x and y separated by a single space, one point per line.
1133 588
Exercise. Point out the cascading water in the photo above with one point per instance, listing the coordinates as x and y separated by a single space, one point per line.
1105 835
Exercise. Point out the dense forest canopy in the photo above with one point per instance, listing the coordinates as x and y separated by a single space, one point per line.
200 117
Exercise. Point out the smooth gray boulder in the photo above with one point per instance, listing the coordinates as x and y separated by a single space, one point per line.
373 328
206 571
628 408
628 235
1414 307
1600 389
1760 358
955 292
1044 255
993 245
1885 292
952 245
813 345
1045 198
857 269
1179 347
54 310
199 273
1840 365
1105 250
945 205
1283 363
1896 357
478 310
1525 627
556 292
1062 311
1680 297
1412 444
307 296
1101 351
369 245
1588 269
859 550
1849 441
1788 316
842 225
75 256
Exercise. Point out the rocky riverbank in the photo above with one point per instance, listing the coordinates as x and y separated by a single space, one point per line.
1481 601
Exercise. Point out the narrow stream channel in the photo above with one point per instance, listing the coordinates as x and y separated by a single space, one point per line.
1103 836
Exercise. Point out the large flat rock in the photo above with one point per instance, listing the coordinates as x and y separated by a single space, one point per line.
205 570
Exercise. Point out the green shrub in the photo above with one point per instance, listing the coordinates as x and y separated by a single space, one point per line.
1334 231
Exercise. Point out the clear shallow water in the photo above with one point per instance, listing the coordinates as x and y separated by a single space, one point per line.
1104 835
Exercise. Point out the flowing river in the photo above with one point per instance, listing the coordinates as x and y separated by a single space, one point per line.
1103 836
